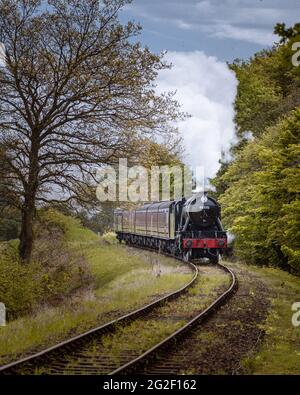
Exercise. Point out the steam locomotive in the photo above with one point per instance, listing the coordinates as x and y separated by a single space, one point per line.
190 228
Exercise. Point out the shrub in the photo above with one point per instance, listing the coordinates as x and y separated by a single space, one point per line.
56 271
20 285
109 238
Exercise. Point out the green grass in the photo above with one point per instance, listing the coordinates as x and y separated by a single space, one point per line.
280 349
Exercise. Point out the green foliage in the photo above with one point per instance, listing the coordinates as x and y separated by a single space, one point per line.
101 220
258 96
71 227
109 238
261 206
268 88
55 218
286 33
20 286
259 189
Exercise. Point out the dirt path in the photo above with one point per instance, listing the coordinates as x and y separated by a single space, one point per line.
219 345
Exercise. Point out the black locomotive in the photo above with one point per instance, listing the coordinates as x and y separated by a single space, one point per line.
190 228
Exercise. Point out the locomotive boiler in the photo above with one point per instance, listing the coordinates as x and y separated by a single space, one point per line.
190 228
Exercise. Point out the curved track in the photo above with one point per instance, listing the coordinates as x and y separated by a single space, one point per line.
47 356
145 363
54 359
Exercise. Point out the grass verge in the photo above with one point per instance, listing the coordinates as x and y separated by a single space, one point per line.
279 352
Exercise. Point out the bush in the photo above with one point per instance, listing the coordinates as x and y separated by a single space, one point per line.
20 285
55 219
64 269
56 270
109 238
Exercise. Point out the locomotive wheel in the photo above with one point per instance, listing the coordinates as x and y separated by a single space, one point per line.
215 259
173 250
187 255
159 247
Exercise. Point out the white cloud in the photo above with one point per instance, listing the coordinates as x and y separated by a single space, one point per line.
205 7
252 35
183 25
223 30
206 89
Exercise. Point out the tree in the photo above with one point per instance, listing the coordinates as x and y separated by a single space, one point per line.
260 196
261 206
147 153
269 86
286 34
76 89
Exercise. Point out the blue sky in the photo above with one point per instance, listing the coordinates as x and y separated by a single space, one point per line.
200 37
227 29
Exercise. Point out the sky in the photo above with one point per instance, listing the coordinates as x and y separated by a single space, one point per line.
200 36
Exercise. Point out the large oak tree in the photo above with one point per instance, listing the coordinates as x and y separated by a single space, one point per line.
75 89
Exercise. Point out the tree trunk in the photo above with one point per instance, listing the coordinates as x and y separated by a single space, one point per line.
26 235
28 210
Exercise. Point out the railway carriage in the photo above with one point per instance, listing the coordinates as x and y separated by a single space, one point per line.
190 228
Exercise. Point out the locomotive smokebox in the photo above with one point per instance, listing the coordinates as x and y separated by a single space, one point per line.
201 210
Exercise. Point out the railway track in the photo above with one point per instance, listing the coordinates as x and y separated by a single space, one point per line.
83 354
165 357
